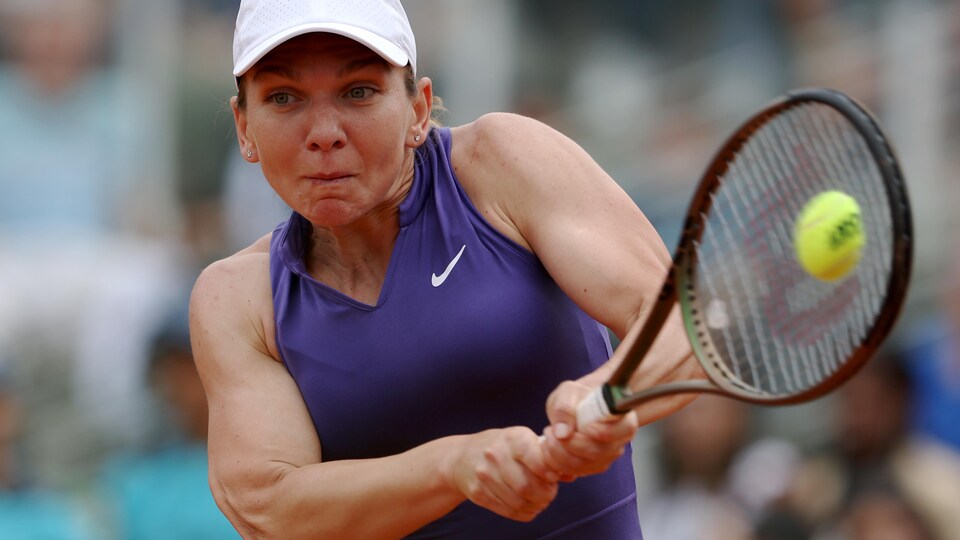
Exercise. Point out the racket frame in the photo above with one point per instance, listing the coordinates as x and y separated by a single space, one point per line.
615 396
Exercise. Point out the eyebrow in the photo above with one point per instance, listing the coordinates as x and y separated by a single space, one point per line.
283 71
360 63
278 70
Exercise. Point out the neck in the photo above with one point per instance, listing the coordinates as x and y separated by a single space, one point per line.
354 261
354 258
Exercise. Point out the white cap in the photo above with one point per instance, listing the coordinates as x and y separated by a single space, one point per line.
381 25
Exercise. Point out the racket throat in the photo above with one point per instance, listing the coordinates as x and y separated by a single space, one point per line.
625 400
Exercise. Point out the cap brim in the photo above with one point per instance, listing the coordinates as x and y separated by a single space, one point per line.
377 44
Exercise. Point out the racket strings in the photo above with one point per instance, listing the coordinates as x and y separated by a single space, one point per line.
774 328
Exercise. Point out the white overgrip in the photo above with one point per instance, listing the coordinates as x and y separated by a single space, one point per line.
592 409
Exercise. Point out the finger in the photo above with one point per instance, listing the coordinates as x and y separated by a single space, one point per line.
558 457
562 407
617 431
534 459
580 455
536 492
589 449
489 492
528 475
493 503
518 492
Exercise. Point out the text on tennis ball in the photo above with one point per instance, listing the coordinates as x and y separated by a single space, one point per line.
828 235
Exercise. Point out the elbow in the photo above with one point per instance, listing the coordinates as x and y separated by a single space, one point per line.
248 510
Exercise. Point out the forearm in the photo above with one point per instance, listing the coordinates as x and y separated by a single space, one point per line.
670 359
374 498
658 408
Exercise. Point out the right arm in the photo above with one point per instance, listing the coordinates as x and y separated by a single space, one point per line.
266 472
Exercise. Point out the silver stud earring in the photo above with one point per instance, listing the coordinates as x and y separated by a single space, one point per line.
249 153
416 138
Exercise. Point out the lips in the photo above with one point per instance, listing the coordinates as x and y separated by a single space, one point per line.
328 176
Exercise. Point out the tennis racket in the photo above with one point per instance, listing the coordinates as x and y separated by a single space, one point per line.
765 330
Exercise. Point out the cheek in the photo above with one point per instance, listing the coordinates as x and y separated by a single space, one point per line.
388 156
384 149
276 151
272 136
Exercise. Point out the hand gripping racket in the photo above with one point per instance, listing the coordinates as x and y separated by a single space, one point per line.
765 330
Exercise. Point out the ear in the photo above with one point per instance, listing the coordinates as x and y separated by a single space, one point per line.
247 149
422 109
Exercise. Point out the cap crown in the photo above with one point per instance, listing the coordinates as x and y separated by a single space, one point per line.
381 25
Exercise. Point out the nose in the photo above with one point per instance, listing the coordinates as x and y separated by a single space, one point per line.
325 131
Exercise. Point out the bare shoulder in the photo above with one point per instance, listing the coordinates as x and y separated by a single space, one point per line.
504 140
237 274
496 159
232 298
515 168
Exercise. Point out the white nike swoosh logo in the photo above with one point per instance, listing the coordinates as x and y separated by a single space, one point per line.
436 280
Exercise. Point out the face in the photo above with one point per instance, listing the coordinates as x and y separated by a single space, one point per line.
55 43
332 126
703 437
873 412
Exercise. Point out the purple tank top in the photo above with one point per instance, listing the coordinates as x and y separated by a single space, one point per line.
469 333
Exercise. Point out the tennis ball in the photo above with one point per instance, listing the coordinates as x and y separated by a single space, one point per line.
827 237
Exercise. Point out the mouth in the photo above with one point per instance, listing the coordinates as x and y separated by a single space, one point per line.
328 177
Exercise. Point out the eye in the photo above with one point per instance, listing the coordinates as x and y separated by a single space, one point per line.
359 92
280 98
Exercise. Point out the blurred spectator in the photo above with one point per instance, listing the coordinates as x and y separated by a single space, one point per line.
69 160
26 512
84 228
831 45
881 514
933 360
93 245
227 202
714 480
877 466
251 207
163 493
204 126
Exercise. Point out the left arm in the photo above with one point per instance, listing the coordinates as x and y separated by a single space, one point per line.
546 193
557 202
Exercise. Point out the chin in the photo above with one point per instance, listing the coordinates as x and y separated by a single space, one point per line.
331 214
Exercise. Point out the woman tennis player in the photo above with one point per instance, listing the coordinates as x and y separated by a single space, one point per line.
377 365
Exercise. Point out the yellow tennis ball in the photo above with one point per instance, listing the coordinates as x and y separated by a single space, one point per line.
828 237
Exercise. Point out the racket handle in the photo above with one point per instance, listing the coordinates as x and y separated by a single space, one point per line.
594 407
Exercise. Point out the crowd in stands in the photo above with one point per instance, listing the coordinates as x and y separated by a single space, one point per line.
120 179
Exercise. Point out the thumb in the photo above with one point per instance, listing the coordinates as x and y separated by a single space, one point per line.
562 408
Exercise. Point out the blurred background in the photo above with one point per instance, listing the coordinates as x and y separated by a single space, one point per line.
120 179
